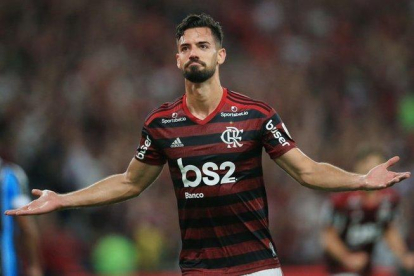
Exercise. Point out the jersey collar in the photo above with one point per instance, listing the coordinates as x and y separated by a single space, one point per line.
210 116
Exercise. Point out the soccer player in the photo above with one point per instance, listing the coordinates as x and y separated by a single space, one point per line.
13 185
212 139
357 220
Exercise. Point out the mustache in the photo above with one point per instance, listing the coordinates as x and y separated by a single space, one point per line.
194 61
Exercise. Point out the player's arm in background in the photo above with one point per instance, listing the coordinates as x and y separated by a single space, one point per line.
397 245
113 189
324 176
333 245
336 248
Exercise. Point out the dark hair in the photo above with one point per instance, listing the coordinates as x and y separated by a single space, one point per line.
197 21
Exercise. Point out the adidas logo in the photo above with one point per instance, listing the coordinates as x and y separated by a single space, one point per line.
177 143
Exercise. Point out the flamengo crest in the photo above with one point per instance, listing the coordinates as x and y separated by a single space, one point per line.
231 136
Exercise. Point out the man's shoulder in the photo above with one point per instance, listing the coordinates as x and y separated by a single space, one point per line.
15 170
164 110
244 100
343 200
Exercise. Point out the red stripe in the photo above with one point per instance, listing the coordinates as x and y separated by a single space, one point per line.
250 105
166 105
241 97
161 111
213 128
228 210
209 149
223 231
227 251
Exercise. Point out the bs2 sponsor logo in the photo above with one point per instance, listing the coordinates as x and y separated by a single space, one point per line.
209 169
143 149
276 133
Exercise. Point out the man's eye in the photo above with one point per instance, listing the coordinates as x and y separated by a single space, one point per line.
183 49
203 46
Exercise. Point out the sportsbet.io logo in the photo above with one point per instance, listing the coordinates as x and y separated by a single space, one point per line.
231 136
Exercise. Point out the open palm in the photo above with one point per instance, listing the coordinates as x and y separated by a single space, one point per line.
47 202
380 177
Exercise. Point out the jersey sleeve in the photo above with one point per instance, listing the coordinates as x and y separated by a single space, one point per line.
275 136
147 151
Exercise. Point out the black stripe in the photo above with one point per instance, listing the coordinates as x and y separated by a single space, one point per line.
244 97
207 139
223 220
239 175
250 104
157 123
227 261
218 201
165 107
238 238
236 98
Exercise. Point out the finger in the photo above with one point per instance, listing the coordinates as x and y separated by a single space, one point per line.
16 211
37 192
391 162
403 175
400 177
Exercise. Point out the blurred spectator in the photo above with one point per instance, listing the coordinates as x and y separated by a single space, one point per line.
356 221
114 255
13 193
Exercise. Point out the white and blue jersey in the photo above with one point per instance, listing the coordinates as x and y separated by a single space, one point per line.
13 184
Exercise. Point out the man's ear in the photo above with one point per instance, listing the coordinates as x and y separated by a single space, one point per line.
221 56
178 60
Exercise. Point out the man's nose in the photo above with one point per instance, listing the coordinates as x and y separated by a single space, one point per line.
193 54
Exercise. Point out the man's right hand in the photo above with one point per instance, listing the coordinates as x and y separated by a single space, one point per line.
356 262
47 202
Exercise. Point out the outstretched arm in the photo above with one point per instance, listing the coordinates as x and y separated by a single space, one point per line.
324 176
113 189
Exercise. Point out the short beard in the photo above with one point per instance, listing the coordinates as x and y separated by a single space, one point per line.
196 75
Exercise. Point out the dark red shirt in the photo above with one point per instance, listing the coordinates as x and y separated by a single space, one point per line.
216 168
360 226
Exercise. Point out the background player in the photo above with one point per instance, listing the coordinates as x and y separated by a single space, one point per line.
212 139
356 221
13 183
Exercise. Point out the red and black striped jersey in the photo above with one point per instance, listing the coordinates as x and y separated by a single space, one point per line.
216 168
360 224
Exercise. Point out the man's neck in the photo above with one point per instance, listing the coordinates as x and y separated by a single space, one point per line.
203 98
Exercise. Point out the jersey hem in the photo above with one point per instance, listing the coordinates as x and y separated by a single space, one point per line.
236 272
280 153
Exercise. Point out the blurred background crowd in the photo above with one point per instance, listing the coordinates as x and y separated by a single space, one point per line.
77 79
